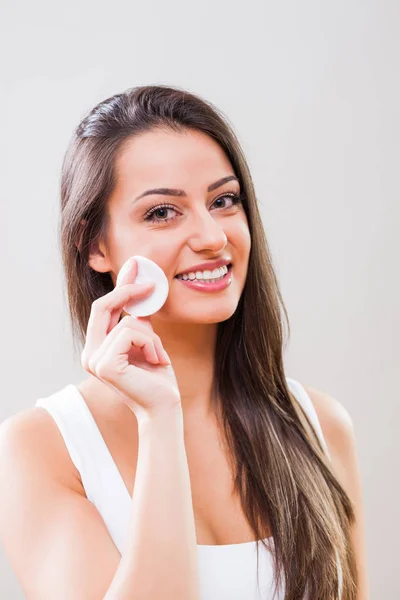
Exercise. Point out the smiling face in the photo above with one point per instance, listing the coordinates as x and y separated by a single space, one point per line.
201 223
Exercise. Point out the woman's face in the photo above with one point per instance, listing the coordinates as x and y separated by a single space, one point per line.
197 226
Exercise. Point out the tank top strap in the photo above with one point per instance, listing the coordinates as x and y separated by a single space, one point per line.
103 484
304 399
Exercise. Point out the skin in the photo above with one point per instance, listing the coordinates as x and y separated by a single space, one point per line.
202 230
187 323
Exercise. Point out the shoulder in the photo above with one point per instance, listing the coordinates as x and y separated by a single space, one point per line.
335 420
23 429
26 427
338 430
31 439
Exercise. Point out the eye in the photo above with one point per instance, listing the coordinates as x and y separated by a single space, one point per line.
235 198
151 214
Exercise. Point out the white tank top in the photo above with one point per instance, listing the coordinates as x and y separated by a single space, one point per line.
227 572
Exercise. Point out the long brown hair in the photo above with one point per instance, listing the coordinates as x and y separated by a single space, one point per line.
281 472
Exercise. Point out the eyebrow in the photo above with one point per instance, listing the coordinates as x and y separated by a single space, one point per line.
174 192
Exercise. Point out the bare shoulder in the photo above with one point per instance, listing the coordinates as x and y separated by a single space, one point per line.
54 539
338 430
335 419
33 435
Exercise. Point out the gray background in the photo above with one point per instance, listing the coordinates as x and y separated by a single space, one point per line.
312 89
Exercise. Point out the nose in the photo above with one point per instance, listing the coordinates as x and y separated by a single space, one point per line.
206 234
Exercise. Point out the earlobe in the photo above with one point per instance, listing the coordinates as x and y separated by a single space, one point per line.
97 260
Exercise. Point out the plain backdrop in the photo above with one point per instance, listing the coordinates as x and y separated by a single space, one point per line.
312 90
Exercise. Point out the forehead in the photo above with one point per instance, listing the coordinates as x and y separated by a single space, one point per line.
187 160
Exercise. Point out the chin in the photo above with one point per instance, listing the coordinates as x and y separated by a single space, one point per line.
199 313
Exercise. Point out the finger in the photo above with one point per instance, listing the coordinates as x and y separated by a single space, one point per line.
113 363
128 322
103 310
162 354
128 276
128 272
146 327
134 323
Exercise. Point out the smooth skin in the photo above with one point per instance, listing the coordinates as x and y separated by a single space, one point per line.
55 539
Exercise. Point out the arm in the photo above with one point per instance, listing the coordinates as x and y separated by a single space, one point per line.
339 435
57 542
160 559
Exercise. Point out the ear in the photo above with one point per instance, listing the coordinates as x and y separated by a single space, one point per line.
98 260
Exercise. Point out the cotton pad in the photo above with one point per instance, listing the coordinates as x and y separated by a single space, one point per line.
148 271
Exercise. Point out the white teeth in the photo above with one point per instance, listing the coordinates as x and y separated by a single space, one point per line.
206 276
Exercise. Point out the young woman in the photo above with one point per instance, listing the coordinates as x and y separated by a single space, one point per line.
186 450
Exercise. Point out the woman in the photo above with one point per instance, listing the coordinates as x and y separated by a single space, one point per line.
231 450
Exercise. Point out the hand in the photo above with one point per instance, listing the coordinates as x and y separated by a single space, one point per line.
128 356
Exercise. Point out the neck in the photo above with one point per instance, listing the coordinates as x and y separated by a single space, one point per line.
191 349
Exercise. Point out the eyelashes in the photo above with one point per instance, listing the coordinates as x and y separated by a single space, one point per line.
149 216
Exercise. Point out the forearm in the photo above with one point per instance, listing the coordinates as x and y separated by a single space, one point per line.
160 556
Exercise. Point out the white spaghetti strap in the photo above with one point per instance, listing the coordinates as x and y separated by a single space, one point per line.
298 390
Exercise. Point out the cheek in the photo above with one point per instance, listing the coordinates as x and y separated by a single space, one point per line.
164 253
239 236
246 237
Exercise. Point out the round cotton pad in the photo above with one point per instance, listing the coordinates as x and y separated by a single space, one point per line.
148 271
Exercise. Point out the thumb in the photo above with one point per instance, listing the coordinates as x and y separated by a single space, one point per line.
128 272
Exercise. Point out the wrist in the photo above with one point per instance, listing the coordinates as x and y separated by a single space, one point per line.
163 411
